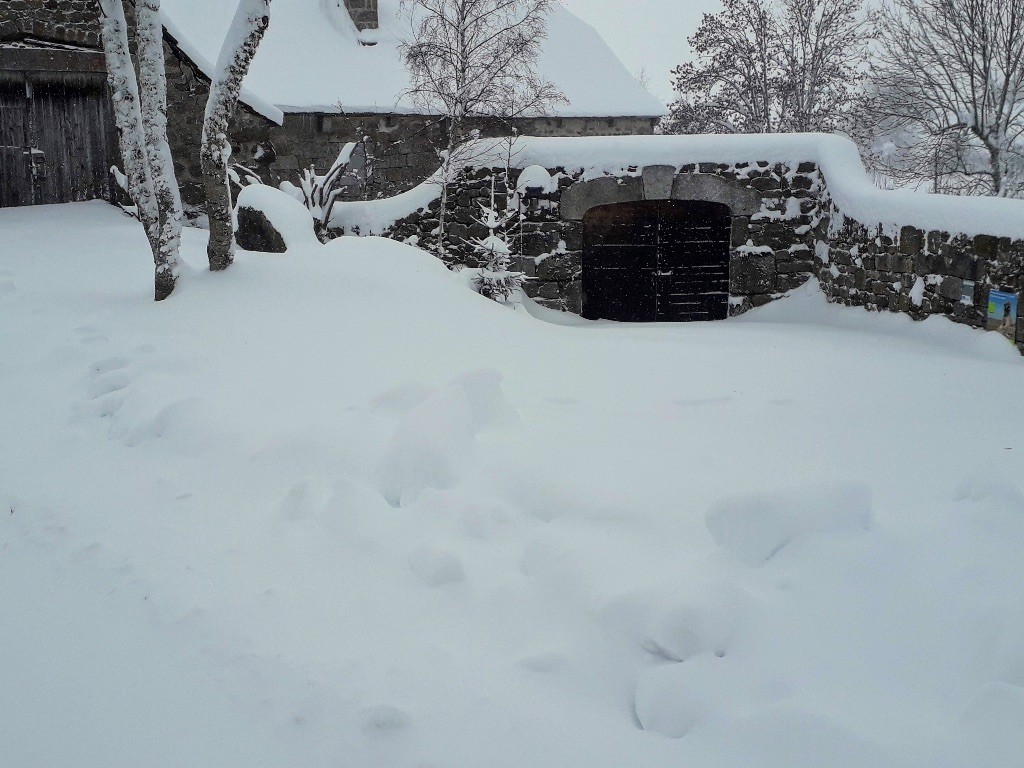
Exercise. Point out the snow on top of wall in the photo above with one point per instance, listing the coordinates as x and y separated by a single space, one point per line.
851 188
374 217
313 59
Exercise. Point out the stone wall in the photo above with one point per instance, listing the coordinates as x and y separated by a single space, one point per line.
363 13
72 22
776 219
404 146
921 273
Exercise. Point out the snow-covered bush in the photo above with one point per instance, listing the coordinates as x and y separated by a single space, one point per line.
496 280
242 176
321 192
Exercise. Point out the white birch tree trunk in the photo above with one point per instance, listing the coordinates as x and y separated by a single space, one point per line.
153 97
131 135
247 29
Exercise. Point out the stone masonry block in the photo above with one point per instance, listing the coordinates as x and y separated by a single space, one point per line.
581 197
752 273
658 181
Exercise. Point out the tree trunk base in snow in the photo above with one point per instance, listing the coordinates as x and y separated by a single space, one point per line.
219 261
163 286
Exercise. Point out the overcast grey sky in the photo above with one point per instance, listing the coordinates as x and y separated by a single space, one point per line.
648 35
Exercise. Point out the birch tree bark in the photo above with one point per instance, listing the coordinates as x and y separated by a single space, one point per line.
153 97
124 88
247 29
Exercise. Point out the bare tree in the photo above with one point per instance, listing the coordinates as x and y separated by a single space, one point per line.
951 74
472 59
769 68
141 118
823 51
735 83
247 29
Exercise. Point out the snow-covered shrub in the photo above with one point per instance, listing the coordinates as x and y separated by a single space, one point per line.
320 193
496 280
241 176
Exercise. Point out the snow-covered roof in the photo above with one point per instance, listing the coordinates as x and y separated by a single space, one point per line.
313 59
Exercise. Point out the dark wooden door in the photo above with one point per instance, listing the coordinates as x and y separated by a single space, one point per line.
664 261
58 143
15 160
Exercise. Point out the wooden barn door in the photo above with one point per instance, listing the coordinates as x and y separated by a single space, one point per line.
15 160
71 128
57 143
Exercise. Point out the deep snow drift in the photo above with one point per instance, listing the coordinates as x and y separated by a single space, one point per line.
330 508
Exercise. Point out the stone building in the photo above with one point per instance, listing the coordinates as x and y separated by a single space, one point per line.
328 72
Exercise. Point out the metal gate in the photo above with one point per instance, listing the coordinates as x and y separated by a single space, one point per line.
657 261
56 143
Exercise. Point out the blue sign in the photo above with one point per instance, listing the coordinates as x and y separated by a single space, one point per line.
1002 312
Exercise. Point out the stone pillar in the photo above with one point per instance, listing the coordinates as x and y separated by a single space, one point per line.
363 13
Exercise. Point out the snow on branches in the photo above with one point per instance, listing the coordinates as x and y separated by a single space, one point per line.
771 66
948 90
320 193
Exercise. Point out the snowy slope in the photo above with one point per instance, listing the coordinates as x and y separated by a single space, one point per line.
792 539
311 60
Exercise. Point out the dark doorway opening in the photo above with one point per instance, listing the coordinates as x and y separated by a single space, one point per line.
657 261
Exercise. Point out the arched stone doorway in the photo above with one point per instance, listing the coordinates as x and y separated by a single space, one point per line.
657 261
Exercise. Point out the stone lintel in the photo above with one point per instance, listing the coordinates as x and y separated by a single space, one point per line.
658 182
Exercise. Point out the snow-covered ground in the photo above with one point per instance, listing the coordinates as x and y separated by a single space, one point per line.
331 508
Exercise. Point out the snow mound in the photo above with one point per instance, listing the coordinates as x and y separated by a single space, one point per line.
707 626
436 567
756 527
435 438
285 214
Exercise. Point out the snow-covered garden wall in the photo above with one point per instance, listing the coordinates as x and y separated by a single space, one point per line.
802 206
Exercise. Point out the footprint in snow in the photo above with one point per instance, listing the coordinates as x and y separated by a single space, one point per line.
108 382
89 336
436 567
384 721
